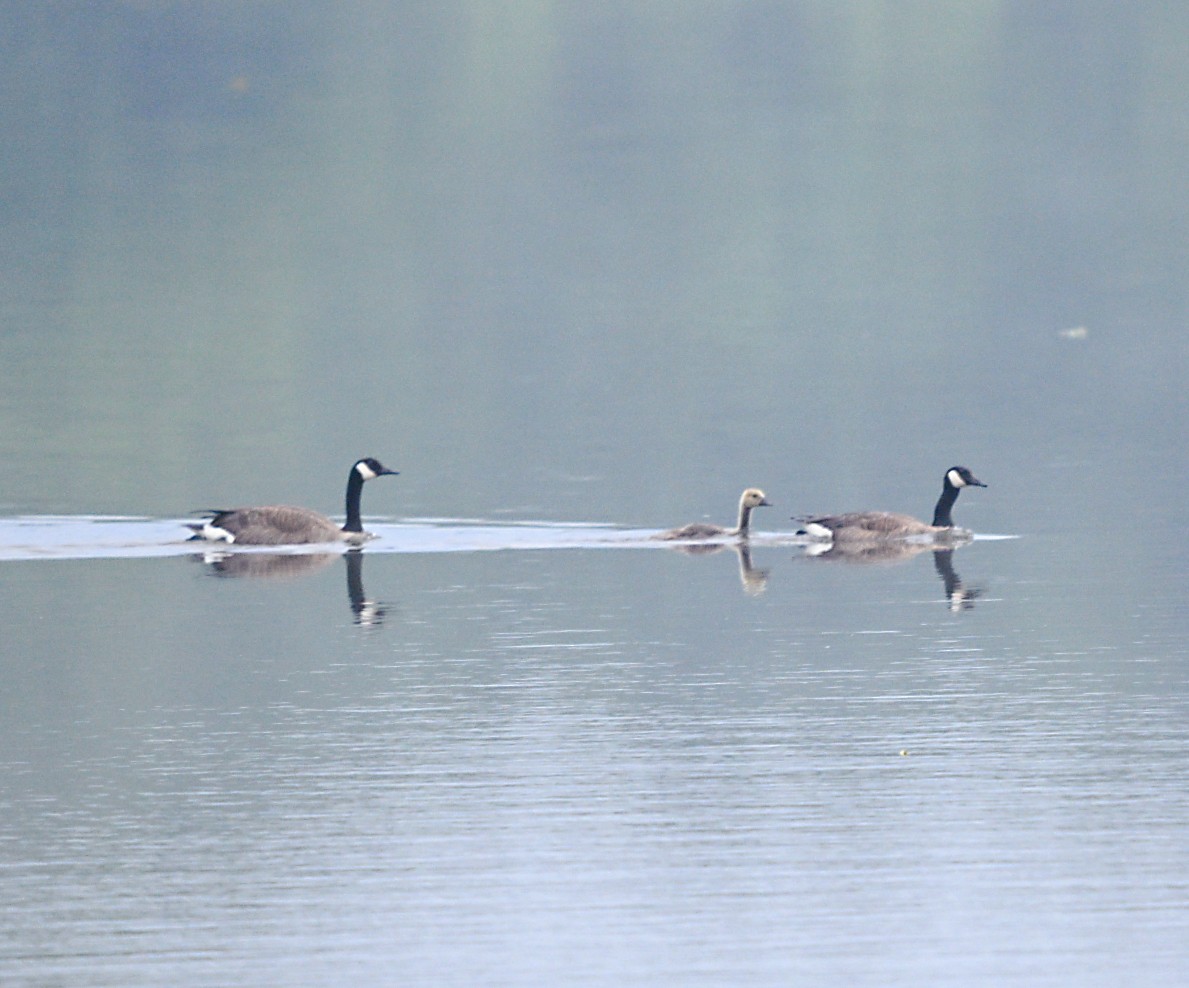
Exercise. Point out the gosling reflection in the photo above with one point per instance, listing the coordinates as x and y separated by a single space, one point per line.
753 579
957 594
367 612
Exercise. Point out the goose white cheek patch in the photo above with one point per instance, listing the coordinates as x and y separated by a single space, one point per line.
366 472
955 479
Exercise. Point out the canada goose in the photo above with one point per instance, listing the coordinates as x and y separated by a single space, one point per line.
279 524
872 525
750 499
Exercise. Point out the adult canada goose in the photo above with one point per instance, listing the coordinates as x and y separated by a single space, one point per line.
873 525
280 524
749 500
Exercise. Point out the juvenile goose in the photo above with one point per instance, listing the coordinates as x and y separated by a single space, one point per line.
751 499
280 524
873 525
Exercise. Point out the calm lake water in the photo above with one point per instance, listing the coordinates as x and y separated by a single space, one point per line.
579 274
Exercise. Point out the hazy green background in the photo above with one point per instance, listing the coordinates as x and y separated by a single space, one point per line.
610 262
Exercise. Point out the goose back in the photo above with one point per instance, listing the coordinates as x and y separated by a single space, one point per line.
695 530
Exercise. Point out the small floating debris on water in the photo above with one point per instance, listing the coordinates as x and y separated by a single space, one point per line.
1074 333
903 752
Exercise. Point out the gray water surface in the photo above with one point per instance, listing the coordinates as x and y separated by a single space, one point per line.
581 273
534 753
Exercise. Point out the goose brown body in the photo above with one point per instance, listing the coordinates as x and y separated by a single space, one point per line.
276 524
872 525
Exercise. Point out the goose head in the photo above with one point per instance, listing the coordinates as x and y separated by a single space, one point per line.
961 477
369 469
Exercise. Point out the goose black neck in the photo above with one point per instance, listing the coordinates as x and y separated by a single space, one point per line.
945 504
354 492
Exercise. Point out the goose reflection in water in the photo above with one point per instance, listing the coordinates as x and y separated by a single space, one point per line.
753 579
957 594
266 565
368 613
960 598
